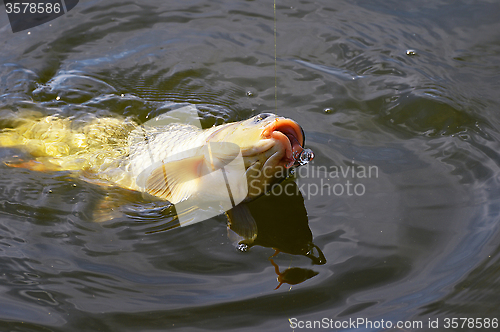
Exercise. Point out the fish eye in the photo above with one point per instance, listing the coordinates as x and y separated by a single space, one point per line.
261 117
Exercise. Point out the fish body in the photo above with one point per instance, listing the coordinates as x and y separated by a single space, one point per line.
172 162
266 142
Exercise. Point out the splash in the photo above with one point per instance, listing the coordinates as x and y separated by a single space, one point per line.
301 157
304 157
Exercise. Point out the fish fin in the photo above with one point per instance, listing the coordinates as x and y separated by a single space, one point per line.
187 115
34 165
242 222
234 237
176 180
316 259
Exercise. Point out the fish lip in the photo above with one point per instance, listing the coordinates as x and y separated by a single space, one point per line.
288 132
277 129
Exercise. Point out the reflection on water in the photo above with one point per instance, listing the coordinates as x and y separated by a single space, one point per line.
282 223
420 243
292 275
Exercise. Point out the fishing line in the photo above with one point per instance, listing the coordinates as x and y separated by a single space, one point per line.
275 64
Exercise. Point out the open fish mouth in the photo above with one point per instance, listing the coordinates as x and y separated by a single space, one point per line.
289 134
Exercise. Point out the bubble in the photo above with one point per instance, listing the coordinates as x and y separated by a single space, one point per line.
243 247
465 137
305 157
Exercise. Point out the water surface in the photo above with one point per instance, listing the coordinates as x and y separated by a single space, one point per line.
408 88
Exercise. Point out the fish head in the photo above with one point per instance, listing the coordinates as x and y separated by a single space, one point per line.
269 144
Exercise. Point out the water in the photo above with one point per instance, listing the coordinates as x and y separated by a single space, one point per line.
304 157
398 100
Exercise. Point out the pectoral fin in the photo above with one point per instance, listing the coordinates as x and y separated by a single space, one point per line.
176 180
242 222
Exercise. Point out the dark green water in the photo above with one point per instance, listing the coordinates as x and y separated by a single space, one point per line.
410 89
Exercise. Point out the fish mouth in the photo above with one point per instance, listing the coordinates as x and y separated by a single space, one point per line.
289 134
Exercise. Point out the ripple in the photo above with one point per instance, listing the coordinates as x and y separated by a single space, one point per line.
427 116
